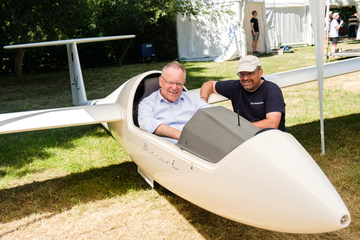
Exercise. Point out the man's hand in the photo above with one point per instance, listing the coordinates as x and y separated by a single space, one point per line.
206 89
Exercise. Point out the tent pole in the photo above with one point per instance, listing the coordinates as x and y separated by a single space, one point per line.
275 35
320 83
317 19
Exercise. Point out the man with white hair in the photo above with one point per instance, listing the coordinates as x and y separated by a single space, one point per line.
259 101
334 31
166 111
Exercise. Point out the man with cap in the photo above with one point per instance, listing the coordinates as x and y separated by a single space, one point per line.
257 100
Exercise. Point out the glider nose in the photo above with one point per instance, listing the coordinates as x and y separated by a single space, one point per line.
285 189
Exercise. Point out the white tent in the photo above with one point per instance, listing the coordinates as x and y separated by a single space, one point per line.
339 3
288 23
281 22
201 39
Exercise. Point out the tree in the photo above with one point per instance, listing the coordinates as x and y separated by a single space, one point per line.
37 20
115 17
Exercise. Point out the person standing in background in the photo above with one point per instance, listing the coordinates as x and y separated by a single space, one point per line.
353 21
326 31
334 31
254 31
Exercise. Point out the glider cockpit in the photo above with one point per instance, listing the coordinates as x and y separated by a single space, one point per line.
211 133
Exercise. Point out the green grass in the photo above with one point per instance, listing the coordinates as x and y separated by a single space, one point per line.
54 183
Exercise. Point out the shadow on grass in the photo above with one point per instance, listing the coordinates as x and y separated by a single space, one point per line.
210 225
341 133
20 149
60 194
353 42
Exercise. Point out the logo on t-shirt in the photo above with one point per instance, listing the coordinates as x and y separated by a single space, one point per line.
256 103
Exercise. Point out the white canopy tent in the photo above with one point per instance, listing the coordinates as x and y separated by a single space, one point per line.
281 22
203 39
288 23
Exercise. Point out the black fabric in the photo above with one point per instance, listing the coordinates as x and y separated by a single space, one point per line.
147 86
254 106
264 130
334 40
352 31
256 24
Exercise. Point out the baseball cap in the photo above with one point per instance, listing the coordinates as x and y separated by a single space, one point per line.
248 64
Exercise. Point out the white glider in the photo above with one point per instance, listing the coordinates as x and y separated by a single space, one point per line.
263 178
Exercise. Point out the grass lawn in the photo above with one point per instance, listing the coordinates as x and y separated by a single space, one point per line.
78 183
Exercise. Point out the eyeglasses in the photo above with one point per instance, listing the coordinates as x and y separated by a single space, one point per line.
249 74
172 83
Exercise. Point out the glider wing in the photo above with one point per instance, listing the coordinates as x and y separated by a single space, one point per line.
299 76
59 117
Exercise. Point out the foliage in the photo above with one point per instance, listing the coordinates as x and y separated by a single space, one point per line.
162 34
345 12
33 21
115 17
36 20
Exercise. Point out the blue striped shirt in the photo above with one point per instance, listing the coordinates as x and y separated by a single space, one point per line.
155 110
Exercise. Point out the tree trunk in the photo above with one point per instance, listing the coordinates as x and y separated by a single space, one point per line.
124 53
19 55
18 65
129 45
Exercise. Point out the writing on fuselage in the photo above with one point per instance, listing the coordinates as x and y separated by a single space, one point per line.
148 150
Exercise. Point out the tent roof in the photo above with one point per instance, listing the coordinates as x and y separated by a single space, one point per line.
303 3
286 3
343 2
291 3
